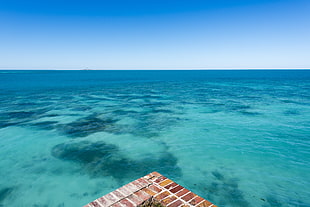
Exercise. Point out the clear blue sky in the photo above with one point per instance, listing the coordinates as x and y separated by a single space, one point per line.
137 34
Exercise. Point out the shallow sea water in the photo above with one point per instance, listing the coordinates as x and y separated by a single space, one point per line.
237 138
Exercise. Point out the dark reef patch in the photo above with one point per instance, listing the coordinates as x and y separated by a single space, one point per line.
101 159
19 114
217 175
289 101
121 112
230 107
290 112
88 125
14 118
154 104
235 197
223 188
149 96
11 118
273 201
84 152
5 192
145 97
4 124
238 106
166 111
250 113
46 125
39 205
51 115
81 108
149 122
241 108
149 125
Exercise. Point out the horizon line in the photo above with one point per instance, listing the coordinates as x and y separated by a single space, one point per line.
159 69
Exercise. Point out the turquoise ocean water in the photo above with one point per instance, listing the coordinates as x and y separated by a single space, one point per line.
237 138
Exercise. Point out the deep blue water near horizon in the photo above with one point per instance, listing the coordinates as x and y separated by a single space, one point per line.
237 138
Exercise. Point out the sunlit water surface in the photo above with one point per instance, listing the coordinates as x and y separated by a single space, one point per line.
237 138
